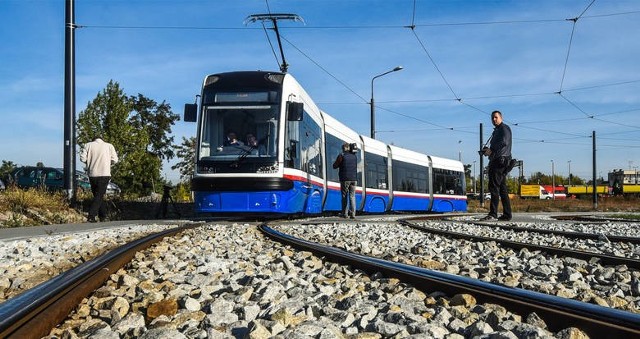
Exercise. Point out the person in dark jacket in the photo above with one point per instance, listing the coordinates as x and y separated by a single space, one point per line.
499 153
347 165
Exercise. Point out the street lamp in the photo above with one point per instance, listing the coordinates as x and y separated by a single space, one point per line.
373 114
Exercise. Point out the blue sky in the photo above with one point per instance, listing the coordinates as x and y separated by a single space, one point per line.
555 81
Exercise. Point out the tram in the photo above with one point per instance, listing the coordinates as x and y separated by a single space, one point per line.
263 146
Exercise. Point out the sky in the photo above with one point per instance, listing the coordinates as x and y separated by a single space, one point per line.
559 70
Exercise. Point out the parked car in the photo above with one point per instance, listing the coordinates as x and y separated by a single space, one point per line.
53 179
112 188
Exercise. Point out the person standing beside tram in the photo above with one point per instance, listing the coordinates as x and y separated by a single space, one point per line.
499 153
347 165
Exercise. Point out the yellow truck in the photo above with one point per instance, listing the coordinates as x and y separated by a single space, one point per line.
534 191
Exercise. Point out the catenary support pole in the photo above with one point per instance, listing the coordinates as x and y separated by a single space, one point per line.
595 183
481 171
69 165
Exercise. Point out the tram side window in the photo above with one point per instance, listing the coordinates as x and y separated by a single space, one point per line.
410 177
334 148
376 171
448 182
304 151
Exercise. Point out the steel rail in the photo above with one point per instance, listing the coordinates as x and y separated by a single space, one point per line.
569 234
577 235
604 259
591 219
558 313
33 313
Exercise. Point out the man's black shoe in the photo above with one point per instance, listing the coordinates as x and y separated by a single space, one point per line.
504 218
488 218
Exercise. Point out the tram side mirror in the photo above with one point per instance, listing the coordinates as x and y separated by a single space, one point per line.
190 112
294 111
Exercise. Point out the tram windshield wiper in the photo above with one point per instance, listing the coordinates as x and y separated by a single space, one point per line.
246 150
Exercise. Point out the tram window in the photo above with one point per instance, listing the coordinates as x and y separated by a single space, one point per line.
448 182
410 177
376 171
333 148
219 121
304 152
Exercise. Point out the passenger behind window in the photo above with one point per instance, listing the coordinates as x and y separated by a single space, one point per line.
251 140
232 140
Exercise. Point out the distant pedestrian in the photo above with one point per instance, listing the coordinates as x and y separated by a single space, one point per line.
347 165
99 156
499 153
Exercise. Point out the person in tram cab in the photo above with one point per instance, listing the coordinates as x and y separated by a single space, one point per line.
251 140
347 165
232 140
499 153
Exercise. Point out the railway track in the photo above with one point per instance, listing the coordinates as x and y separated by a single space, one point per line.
597 321
38 310
569 234
604 259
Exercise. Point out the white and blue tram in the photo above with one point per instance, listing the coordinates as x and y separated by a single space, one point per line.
283 162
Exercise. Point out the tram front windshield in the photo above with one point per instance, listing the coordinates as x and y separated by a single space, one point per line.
239 132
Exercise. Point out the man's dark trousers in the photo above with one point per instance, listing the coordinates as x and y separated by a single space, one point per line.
99 189
498 187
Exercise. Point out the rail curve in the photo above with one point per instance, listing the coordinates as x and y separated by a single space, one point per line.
595 320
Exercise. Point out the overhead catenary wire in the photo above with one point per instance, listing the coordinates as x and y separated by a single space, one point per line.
460 98
573 29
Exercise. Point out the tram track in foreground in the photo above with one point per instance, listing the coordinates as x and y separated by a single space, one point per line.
41 306
36 311
597 321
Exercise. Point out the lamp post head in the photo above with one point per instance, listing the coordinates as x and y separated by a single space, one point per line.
398 68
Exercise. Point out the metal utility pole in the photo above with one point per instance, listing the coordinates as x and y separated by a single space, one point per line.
274 20
69 166
481 171
595 184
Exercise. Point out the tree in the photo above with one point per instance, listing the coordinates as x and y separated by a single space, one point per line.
157 120
6 169
138 128
187 152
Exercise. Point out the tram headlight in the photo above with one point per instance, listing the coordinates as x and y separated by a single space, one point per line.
206 169
268 169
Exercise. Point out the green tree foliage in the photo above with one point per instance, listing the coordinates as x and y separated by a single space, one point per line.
157 119
6 169
468 177
544 179
187 153
139 130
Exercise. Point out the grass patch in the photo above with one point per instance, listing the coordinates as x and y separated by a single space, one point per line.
605 204
33 207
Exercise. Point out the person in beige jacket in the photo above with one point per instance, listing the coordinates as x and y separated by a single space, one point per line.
99 156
